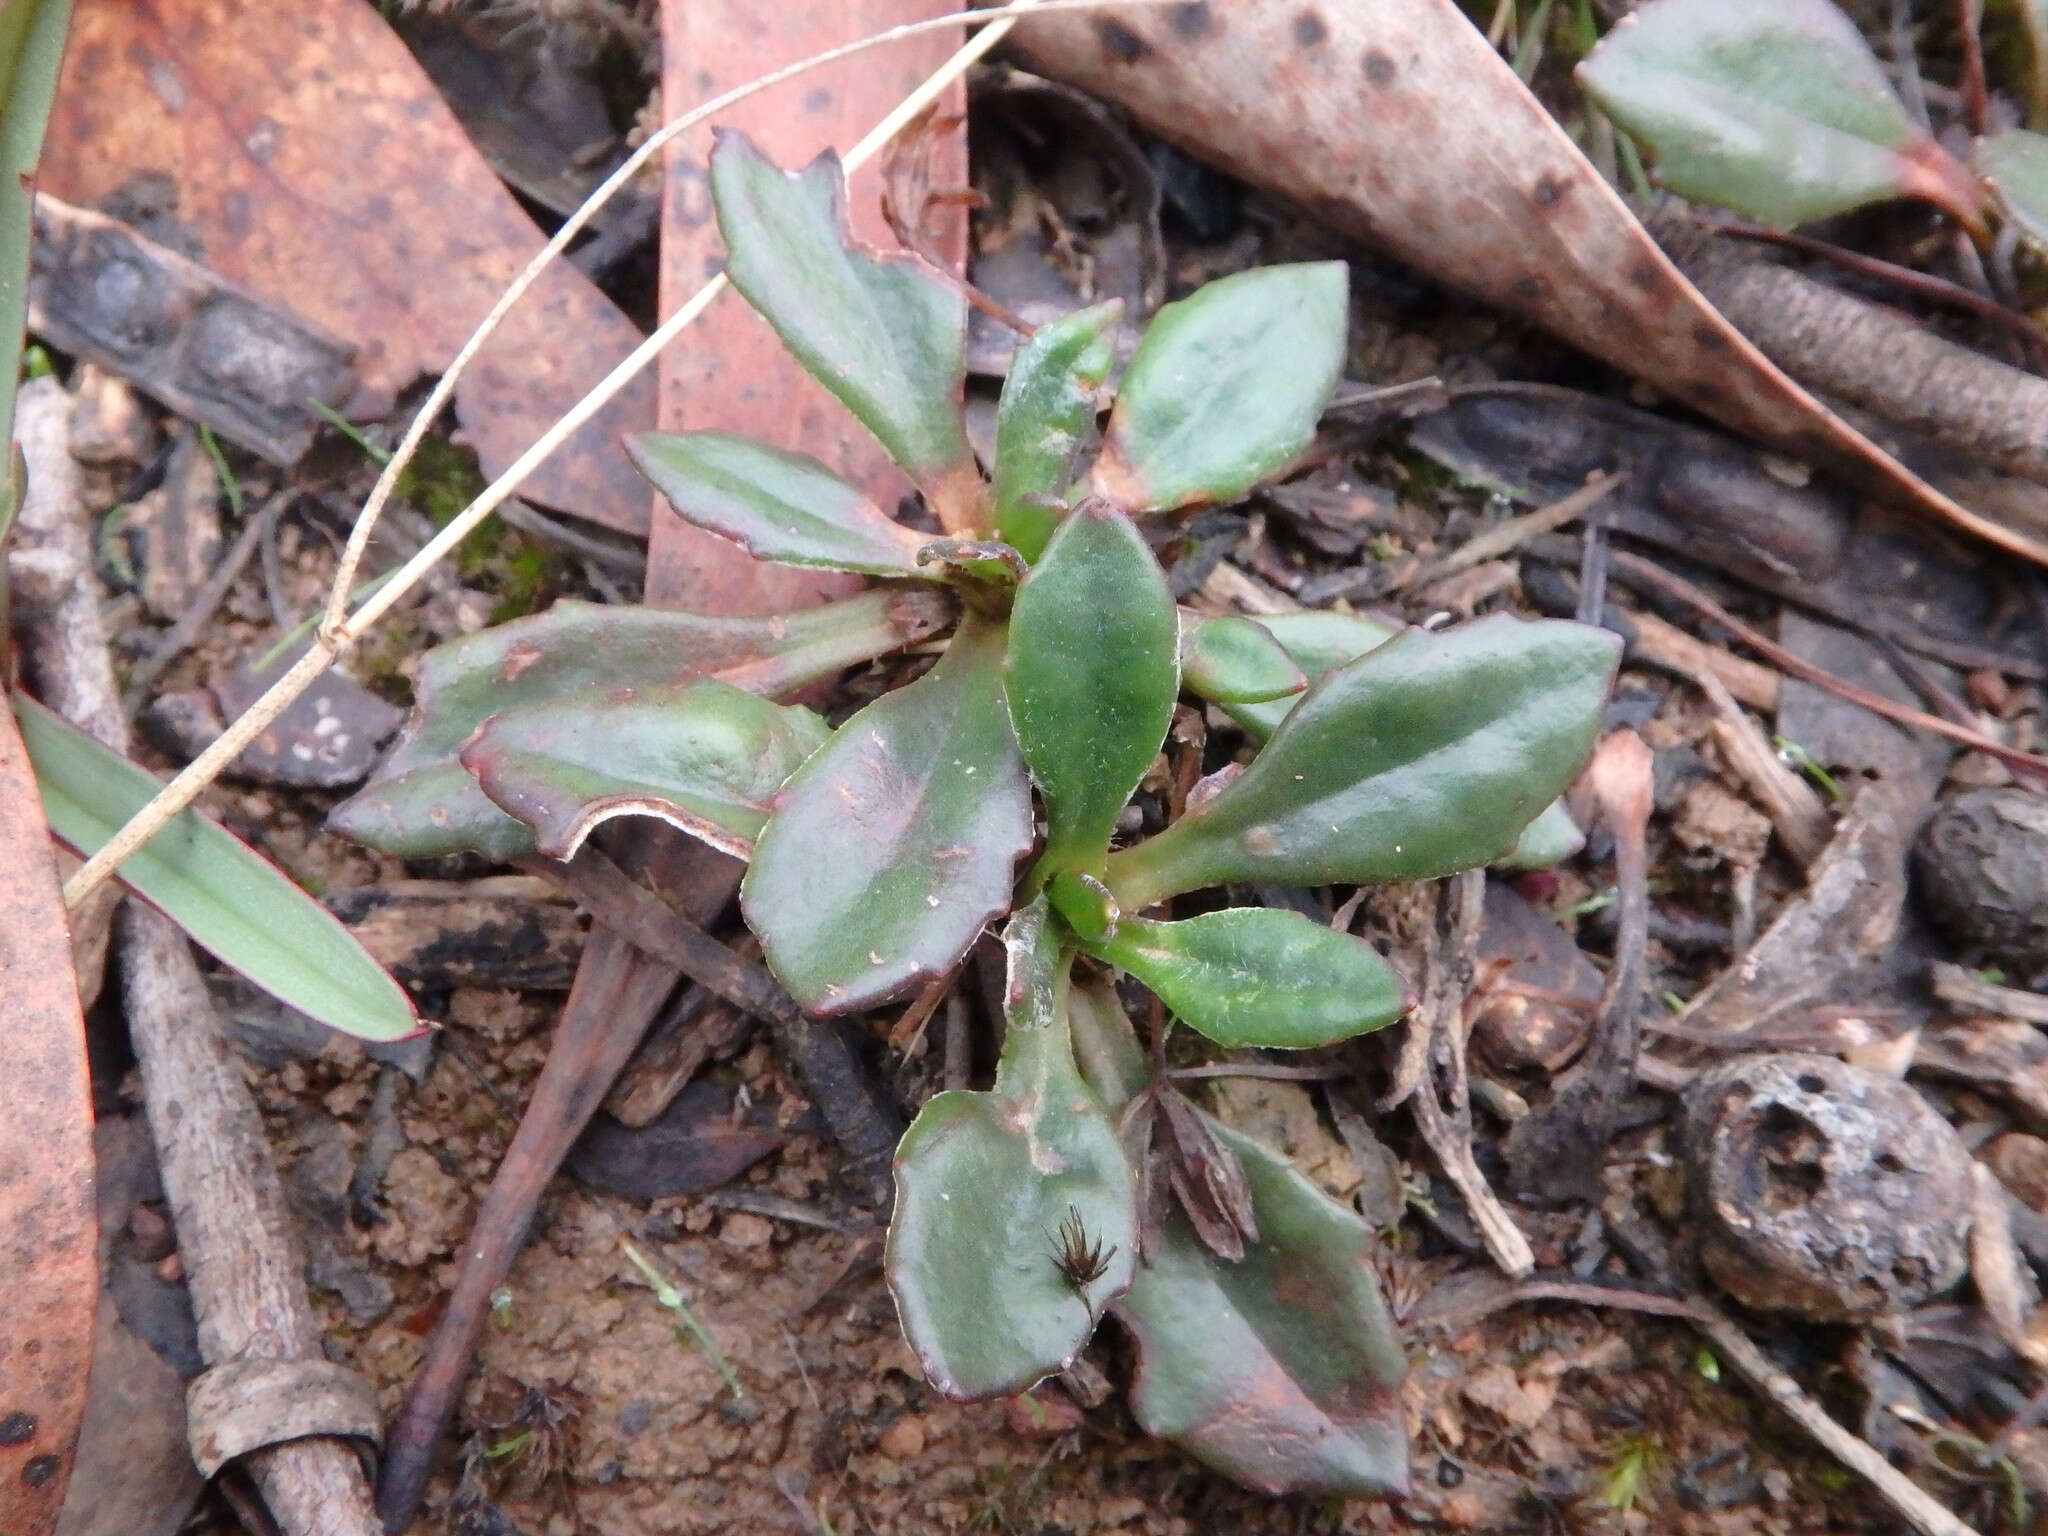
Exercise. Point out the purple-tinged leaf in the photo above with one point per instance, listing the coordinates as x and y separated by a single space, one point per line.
775 505
422 802
1091 675
884 333
1046 415
1427 755
707 758
1016 1214
898 841
1774 108
1282 1370
1259 977
1226 388
1234 660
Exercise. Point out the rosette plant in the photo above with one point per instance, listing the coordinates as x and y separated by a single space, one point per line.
992 788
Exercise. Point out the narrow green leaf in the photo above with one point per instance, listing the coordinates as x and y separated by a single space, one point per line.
1091 676
31 53
898 841
775 505
1259 977
1282 1371
707 758
235 904
1226 387
2015 166
1317 640
1233 660
1046 414
998 1193
422 802
1550 839
886 334
1774 108
1427 755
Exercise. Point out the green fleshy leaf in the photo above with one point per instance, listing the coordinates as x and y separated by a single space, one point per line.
886 334
1226 388
31 55
1091 675
1774 108
422 802
898 841
992 1189
1282 1370
1084 905
2015 166
1550 839
1046 414
1259 977
775 505
1318 640
707 758
235 904
1233 660
1427 755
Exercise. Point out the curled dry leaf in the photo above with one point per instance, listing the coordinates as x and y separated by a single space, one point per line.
1327 105
46 1205
314 162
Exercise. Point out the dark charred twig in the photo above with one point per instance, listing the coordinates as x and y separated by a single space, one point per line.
199 612
1556 1152
1939 699
1923 285
863 1123
1644 572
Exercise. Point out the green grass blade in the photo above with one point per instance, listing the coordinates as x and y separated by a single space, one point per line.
234 903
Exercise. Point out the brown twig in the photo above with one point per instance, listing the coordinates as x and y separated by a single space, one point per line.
1506 537
234 1228
1873 356
616 994
1911 280
1976 97
1644 572
1908 1498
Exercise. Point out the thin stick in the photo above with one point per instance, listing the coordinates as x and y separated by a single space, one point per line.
333 641
1637 570
1516 531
